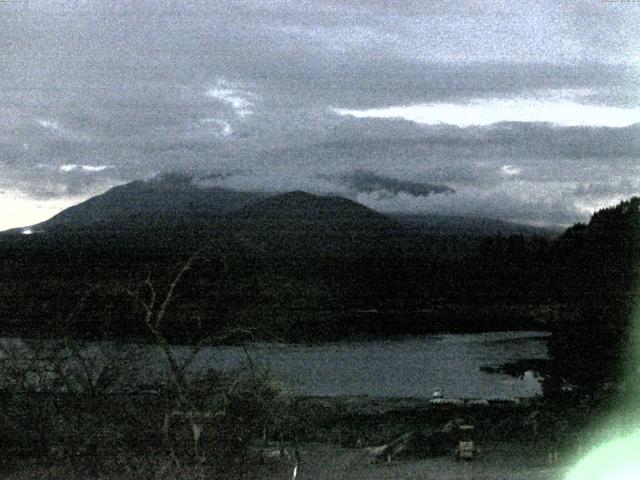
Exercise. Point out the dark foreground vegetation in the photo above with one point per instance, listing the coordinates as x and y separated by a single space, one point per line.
123 436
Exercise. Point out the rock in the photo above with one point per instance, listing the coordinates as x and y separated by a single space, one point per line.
398 447
453 425
377 454
417 444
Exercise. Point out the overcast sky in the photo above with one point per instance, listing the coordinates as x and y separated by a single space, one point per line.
521 110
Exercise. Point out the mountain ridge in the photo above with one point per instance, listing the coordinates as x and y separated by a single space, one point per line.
181 198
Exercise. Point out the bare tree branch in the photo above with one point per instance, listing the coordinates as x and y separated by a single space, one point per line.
172 287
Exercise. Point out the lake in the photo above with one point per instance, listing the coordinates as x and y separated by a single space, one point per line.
403 367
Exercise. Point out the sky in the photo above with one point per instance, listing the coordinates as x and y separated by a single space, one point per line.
526 111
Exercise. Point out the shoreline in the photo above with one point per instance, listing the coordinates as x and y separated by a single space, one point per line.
322 326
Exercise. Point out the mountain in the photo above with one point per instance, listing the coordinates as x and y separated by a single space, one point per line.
294 251
170 216
163 198
301 207
433 224
160 218
172 201
303 224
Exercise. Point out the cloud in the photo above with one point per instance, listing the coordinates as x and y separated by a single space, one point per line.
223 127
216 179
563 111
230 94
522 202
52 125
70 167
95 168
55 128
600 190
363 181
509 170
222 86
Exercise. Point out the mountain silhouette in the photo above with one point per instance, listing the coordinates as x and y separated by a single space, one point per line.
167 197
303 224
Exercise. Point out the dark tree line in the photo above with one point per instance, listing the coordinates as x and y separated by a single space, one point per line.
597 267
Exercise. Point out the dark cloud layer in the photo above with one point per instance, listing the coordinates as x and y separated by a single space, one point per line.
363 181
99 93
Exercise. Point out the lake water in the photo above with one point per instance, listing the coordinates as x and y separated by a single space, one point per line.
404 367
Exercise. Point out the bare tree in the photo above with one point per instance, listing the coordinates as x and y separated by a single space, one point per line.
87 375
155 305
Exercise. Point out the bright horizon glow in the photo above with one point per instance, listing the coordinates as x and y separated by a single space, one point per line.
484 112
19 210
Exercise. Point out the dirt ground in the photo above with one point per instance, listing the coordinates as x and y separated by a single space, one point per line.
320 461
495 462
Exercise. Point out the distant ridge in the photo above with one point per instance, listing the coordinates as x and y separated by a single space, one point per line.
176 199
434 224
